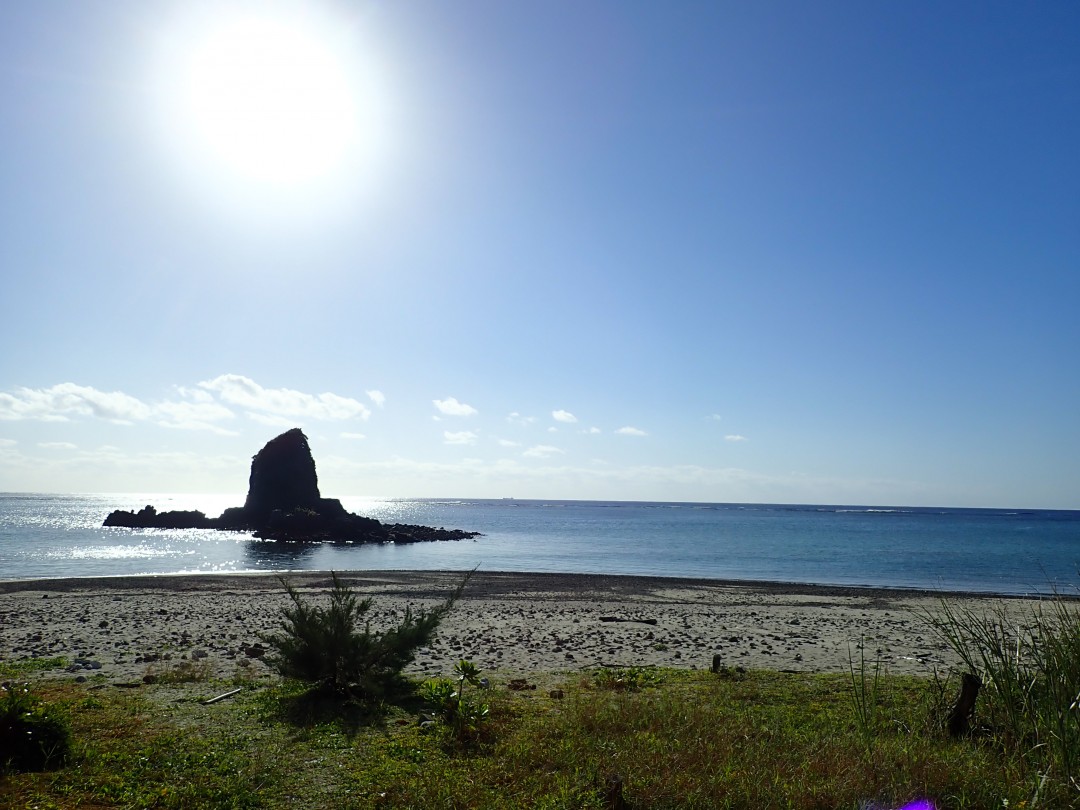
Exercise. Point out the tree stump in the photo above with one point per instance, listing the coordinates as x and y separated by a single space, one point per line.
963 710
613 798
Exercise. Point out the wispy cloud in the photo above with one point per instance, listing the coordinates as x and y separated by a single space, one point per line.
8 442
542 451
516 418
201 414
58 445
58 403
356 436
451 407
715 417
196 410
734 437
508 443
631 431
563 416
244 392
459 437
592 431
378 397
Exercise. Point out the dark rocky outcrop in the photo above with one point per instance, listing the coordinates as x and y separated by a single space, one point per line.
283 503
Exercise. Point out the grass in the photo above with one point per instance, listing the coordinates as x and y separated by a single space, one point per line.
678 739
668 738
1030 670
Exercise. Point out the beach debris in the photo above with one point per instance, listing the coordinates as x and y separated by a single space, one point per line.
228 694
717 663
520 685
620 619
556 694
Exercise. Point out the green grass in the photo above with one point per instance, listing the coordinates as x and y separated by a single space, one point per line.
677 739
669 738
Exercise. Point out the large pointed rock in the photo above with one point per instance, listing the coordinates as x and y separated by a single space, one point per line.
283 503
282 477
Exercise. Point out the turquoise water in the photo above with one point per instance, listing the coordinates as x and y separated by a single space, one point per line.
985 550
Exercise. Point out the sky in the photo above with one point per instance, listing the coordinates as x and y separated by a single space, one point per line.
725 252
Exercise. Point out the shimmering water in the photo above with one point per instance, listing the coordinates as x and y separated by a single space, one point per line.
997 551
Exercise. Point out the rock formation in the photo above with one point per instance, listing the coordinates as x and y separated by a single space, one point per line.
283 503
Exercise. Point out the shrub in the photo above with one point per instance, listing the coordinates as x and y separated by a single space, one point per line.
33 737
334 648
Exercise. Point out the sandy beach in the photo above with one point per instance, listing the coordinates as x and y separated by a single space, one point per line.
507 623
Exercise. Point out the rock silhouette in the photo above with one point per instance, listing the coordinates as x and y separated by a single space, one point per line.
284 503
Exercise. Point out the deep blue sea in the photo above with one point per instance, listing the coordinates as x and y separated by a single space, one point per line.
985 550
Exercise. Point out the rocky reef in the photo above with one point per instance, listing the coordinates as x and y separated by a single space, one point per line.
283 503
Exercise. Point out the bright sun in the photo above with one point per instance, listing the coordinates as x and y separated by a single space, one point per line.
270 109
270 100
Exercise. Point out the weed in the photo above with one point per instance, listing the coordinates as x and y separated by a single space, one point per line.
28 666
625 679
33 735
193 670
866 696
462 714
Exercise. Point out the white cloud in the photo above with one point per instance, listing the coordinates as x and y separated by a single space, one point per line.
716 417
197 411
631 431
517 419
552 430
451 407
378 397
8 442
55 404
459 437
508 443
58 445
353 436
284 402
542 451
592 431
734 437
563 416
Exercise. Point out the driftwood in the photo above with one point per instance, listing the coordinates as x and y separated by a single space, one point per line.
963 710
618 619
222 697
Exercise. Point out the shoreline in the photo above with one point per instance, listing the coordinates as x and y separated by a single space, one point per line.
210 580
505 622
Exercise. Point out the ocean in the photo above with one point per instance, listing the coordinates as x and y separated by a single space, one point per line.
1000 551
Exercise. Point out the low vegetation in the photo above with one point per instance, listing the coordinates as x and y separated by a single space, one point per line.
633 738
332 647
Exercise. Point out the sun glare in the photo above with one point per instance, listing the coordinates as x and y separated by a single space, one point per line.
274 111
271 101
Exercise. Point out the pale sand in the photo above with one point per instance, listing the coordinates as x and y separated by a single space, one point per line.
506 623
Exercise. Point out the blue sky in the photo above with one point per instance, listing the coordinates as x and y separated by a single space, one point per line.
773 252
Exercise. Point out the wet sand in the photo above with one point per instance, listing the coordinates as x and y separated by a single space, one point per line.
509 623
